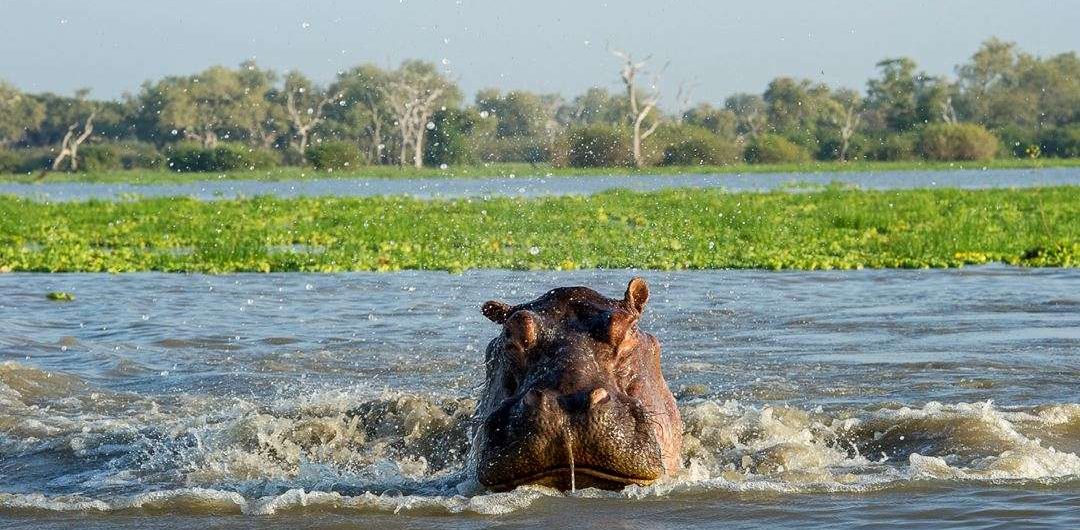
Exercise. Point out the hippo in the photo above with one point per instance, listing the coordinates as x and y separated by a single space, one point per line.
574 396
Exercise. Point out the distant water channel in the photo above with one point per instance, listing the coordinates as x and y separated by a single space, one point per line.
543 186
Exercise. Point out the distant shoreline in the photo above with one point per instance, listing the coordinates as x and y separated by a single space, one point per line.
141 176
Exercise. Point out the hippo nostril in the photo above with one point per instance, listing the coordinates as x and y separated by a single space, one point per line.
582 402
532 398
598 396
537 399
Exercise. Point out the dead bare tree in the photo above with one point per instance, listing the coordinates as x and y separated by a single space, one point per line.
948 113
69 146
683 99
850 119
413 104
377 145
640 107
305 121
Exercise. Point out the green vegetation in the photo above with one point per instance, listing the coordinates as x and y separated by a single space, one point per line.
334 156
831 228
957 141
1003 103
60 296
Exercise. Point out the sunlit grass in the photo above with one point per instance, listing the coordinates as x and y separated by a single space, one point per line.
138 176
674 229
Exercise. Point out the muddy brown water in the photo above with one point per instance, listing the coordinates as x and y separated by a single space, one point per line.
939 398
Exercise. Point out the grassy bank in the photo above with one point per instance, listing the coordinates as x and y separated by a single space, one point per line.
138 176
662 230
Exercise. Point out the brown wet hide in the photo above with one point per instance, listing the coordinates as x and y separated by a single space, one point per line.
574 395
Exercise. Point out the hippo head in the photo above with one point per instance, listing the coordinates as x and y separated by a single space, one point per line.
574 396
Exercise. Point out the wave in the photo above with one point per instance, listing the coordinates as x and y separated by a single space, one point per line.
74 447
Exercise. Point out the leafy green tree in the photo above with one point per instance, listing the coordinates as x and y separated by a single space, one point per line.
415 91
1002 86
363 114
19 114
519 113
751 114
595 106
843 119
306 106
217 103
797 109
892 96
112 120
902 98
450 142
261 114
720 121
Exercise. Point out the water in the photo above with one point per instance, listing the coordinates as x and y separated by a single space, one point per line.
940 398
540 186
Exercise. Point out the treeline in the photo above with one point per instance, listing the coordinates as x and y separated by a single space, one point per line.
1003 102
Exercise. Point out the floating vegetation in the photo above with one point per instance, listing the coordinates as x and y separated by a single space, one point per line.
60 296
674 229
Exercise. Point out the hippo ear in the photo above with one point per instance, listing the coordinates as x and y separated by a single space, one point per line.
522 330
620 323
496 311
637 293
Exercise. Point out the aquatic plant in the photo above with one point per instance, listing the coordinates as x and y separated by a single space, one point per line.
833 228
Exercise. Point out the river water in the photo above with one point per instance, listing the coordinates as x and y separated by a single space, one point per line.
939 398
540 186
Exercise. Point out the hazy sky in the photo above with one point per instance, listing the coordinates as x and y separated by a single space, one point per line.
721 47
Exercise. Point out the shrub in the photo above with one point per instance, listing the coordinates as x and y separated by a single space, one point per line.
957 141
233 156
893 147
448 142
334 155
291 156
1062 141
24 160
99 157
598 146
186 157
1017 140
140 156
11 161
829 147
533 149
694 146
773 149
